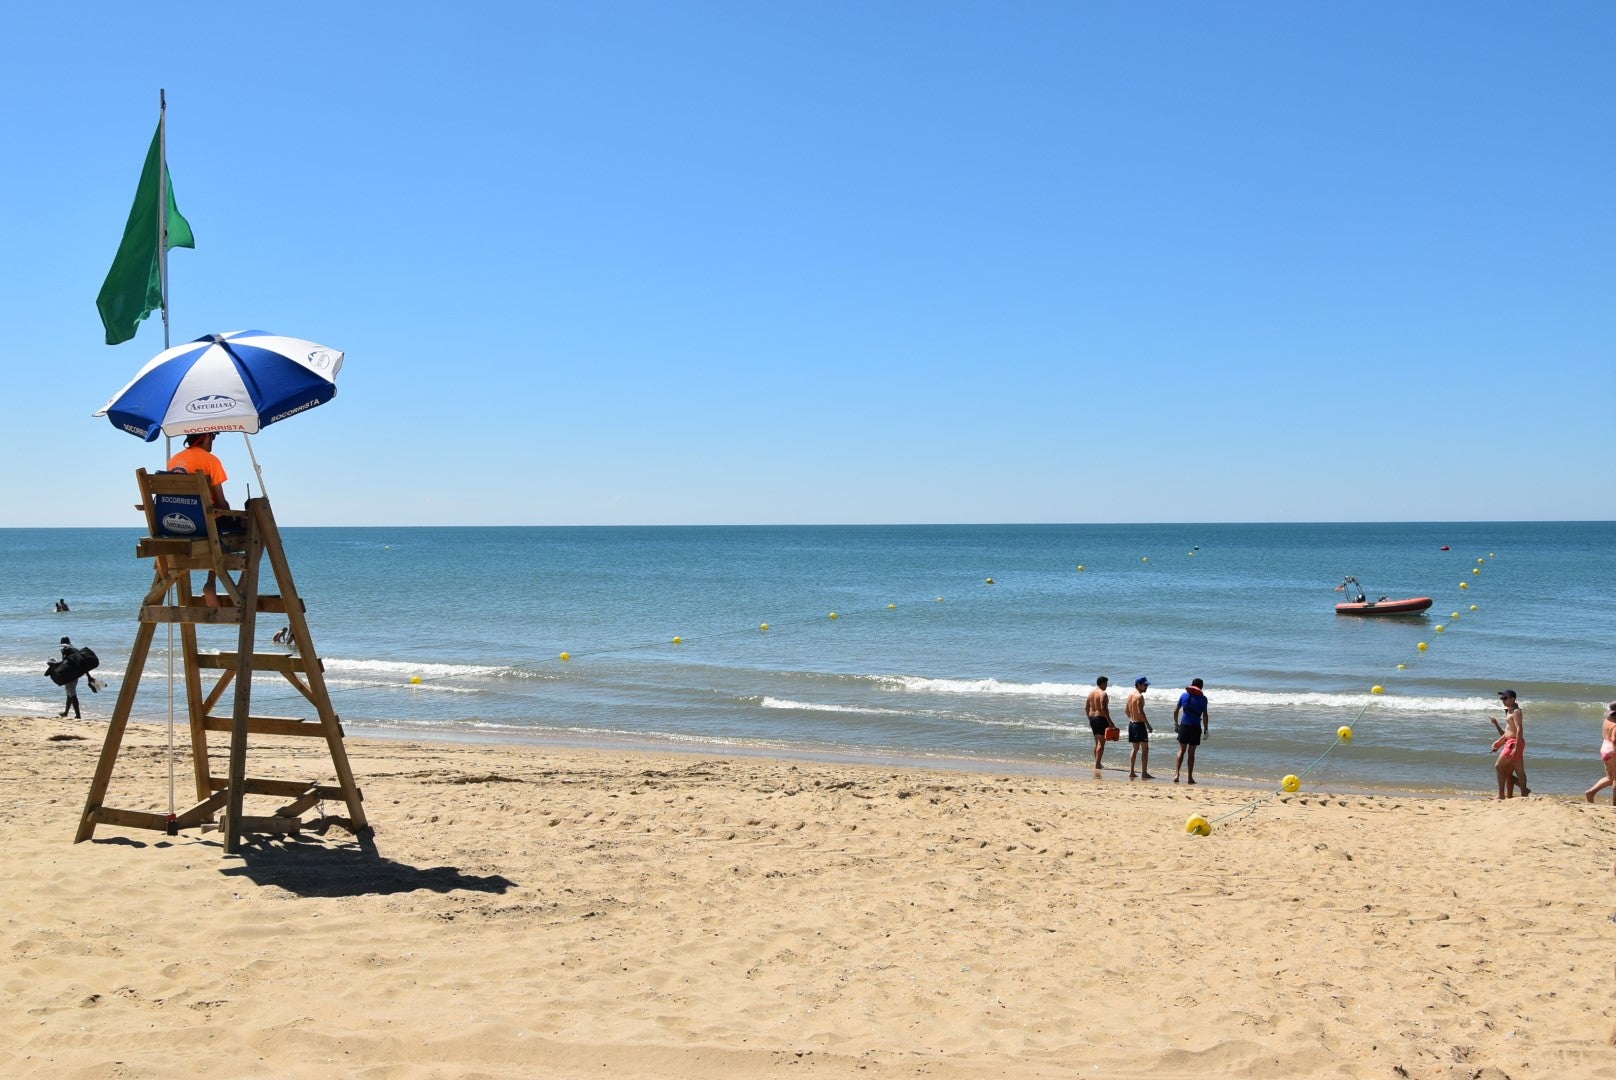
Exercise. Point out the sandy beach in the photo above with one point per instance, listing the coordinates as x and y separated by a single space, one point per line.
529 911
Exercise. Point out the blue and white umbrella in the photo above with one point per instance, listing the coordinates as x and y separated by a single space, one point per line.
241 381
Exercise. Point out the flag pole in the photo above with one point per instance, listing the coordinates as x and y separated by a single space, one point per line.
168 443
162 205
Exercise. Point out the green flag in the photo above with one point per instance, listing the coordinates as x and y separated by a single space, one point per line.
133 289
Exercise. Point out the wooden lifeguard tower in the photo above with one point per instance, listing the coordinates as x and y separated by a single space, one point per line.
188 534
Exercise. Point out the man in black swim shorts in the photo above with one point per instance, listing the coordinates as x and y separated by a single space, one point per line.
1139 729
1098 707
1191 719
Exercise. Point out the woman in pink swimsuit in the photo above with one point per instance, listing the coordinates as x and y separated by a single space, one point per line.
1511 747
1607 754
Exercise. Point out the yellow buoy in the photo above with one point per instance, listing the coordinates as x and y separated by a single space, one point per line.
415 680
891 606
990 581
1291 783
833 615
1475 570
1145 559
1481 560
1198 826
1464 584
1192 554
1377 689
939 599
566 656
765 626
1080 566
1421 646
1400 667
1441 629
1344 733
1474 608
1455 615
678 641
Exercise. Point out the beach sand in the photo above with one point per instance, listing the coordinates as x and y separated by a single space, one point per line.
533 911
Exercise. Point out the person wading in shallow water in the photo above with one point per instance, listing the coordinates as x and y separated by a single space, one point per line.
1192 723
1511 747
1098 708
1139 730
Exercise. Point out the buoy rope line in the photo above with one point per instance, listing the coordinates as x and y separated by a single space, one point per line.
1267 796
1200 825
679 641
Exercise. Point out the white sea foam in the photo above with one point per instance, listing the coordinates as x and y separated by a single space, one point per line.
409 668
26 706
1390 701
812 706
918 685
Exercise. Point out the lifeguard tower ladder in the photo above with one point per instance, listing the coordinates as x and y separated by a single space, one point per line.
187 534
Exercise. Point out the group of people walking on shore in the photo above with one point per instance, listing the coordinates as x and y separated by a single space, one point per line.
1191 724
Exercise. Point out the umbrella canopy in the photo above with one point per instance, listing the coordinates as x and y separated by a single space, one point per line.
241 381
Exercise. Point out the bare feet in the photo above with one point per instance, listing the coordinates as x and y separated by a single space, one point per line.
1191 780
1150 776
1175 779
1589 795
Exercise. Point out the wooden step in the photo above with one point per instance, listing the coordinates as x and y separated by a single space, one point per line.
269 725
290 789
229 661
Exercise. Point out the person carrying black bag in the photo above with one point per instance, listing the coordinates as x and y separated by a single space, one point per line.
66 672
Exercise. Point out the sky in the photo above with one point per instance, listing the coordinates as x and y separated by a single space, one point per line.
838 262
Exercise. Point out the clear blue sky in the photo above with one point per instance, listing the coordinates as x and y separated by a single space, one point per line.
841 262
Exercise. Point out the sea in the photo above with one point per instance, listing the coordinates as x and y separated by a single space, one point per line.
952 646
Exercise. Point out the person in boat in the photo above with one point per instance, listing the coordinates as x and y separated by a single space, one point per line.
1511 747
1357 594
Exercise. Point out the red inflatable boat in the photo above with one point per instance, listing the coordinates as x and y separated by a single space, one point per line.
1411 606
1362 605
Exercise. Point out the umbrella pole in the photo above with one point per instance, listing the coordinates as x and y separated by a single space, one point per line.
261 489
168 447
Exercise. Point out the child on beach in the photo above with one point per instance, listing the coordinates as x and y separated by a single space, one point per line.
1511 747
1607 754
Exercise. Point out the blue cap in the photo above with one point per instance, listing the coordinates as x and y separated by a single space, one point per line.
1141 679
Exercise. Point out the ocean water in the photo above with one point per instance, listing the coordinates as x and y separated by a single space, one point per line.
926 662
